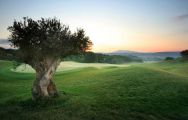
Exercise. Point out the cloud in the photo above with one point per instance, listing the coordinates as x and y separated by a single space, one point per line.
181 17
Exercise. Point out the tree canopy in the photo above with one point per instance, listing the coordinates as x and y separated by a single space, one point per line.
37 39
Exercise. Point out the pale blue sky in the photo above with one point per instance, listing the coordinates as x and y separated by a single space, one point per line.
141 25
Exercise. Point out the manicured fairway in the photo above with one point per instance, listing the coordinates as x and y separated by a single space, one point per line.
155 91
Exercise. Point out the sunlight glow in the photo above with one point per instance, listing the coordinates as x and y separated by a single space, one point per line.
146 26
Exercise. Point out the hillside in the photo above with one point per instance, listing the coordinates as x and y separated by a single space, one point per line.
147 56
155 91
91 57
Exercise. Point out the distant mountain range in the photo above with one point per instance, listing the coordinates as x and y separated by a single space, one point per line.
147 56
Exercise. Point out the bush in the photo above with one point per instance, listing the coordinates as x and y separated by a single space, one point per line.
169 58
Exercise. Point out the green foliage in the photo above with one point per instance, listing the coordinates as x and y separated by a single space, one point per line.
37 39
169 58
7 54
156 91
90 57
11 55
184 54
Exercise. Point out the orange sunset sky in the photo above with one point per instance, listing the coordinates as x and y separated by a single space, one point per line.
137 25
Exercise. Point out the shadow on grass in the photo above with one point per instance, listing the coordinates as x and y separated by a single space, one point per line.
18 103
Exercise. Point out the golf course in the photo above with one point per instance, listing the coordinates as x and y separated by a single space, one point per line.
89 91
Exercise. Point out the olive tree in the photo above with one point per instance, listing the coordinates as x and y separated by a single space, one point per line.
43 44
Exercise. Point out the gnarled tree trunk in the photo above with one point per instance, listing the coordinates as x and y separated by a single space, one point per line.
43 85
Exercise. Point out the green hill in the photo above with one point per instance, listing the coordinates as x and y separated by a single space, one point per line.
155 91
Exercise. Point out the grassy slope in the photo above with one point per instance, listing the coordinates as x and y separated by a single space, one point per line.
156 91
69 65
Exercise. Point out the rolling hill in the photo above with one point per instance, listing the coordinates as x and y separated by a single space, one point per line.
147 56
156 91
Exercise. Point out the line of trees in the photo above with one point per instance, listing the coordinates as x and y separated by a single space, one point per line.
90 57
7 54
184 56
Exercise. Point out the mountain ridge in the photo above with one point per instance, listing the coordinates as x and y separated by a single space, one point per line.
130 51
147 56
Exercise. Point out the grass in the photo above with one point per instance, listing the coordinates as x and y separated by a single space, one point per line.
157 91
68 65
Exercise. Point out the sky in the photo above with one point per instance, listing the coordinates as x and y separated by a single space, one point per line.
136 25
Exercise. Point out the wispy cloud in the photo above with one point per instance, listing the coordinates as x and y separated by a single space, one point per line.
181 17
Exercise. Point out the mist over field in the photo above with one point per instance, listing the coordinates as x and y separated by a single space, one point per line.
69 65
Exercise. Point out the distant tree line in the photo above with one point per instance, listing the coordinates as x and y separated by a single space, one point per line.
88 57
7 54
91 57
184 57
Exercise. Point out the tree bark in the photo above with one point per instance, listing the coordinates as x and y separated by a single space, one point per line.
43 85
